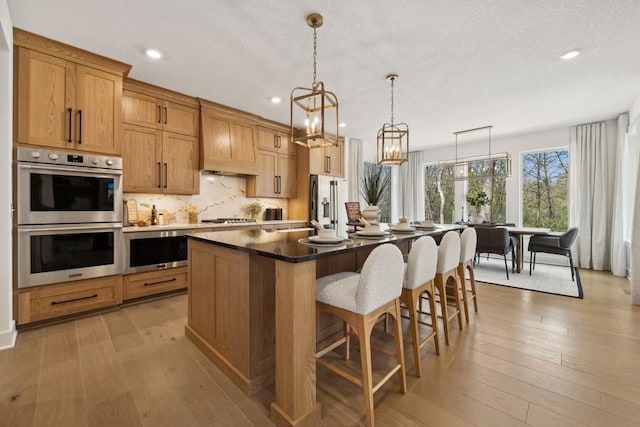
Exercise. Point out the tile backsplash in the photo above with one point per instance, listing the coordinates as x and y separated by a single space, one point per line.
221 196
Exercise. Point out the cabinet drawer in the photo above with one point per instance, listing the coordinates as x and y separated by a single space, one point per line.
154 282
51 301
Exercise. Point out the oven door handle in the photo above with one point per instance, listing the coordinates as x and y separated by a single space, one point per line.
71 228
99 173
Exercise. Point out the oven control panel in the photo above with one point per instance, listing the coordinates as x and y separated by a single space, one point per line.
68 158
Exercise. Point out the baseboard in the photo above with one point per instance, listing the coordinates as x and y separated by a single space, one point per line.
8 338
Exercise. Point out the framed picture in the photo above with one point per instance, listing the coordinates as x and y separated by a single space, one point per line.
353 213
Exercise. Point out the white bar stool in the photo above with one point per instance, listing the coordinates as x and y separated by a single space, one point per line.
447 279
468 242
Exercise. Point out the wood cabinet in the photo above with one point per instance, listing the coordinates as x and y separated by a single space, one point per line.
327 160
228 139
161 147
276 165
62 299
65 97
154 282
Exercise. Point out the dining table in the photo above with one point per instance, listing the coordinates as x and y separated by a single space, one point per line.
251 305
520 232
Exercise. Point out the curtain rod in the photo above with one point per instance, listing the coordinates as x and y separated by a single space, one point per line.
591 123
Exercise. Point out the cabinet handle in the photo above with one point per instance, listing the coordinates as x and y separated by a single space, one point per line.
80 126
159 175
329 164
70 114
160 282
275 184
275 141
165 175
159 114
279 184
165 115
74 299
279 141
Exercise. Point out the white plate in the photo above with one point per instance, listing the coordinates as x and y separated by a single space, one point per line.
402 229
371 233
333 239
424 227
317 244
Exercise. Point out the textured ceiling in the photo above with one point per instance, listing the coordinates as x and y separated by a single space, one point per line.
461 64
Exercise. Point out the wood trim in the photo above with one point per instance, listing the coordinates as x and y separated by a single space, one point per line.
159 92
51 47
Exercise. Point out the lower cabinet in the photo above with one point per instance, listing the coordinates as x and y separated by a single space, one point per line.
154 282
62 299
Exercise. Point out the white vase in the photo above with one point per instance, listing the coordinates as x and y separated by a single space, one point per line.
476 219
370 214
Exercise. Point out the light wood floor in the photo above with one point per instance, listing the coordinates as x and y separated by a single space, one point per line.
525 359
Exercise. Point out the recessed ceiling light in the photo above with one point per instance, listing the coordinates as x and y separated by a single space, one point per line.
276 99
153 53
342 125
571 54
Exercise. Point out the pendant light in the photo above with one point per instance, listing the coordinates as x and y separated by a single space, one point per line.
393 139
315 106
488 164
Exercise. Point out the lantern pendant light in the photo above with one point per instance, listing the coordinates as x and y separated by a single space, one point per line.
393 139
316 107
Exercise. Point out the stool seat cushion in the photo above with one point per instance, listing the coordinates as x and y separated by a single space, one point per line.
338 290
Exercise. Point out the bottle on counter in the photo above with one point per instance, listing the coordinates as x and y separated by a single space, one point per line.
154 215
160 219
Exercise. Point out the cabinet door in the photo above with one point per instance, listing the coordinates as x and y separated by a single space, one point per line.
267 139
99 110
141 160
317 161
264 184
286 145
180 174
287 174
45 94
180 118
142 110
216 138
243 148
335 159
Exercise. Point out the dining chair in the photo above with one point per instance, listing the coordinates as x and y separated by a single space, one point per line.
558 245
419 280
360 299
446 280
495 240
468 243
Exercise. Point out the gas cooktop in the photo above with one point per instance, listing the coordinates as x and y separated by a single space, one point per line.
229 220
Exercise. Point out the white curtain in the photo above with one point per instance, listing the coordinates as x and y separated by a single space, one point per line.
411 188
633 152
591 171
354 168
618 249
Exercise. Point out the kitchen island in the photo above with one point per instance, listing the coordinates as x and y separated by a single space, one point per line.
252 308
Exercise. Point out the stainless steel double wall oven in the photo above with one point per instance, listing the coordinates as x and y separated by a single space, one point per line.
69 216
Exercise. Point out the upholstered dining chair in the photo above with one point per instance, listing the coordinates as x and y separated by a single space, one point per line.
419 280
360 299
559 245
495 240
468 242
446 280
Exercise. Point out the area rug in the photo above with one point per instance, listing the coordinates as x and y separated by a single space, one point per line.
550 279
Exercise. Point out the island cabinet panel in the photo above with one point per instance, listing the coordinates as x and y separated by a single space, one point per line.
231 312
228 140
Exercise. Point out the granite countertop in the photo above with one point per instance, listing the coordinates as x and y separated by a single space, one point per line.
286 245
187 226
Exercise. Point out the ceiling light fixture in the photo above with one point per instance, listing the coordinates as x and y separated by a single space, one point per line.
570 55
315 103
393 139
492 165
276 99
342 125
153 53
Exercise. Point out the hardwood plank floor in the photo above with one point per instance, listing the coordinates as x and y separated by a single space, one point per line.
525 359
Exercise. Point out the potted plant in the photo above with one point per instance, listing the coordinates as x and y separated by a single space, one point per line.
478 199
374 185
253 209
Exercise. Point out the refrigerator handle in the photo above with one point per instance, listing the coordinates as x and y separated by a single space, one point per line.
333 219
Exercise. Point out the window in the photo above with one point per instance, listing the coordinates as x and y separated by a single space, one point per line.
439 194
545 177
481 177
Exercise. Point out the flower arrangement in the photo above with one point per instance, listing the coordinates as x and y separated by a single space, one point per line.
253 209
478 199
192 211
374 184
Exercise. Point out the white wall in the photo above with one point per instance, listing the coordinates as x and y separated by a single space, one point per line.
7 325
634 111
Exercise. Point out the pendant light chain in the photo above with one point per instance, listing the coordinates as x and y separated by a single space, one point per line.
392 81
315 46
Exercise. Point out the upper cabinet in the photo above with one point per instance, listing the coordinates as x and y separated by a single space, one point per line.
66 97
277 165
161 147
228 139
328 160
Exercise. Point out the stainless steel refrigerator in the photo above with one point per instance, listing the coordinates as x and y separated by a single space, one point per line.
328 195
